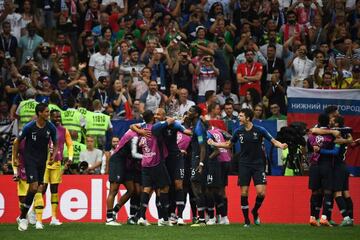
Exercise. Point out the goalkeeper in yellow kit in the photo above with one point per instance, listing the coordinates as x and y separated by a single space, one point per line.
53 170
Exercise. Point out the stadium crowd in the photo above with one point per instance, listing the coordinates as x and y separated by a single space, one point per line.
96 61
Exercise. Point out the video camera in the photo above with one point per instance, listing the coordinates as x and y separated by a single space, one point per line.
293 136
79 167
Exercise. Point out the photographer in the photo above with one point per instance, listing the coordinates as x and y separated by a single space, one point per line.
160 63
92 156
183 70
207 74
131 68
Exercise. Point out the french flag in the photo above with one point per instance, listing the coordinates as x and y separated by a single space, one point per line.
305 105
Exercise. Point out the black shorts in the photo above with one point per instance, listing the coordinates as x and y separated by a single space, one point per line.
175 167
196 176
137 176
213 174
257 173
341 177
321 177
117 171
155 177
34 171
225 171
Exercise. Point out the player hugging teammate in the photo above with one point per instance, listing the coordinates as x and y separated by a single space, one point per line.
328 177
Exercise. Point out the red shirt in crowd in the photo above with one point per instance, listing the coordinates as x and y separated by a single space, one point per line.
249 71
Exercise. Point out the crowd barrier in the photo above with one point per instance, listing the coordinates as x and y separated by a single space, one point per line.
82 198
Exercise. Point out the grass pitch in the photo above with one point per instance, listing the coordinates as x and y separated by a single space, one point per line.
80 231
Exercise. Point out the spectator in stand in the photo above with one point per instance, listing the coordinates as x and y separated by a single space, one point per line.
272 41
172 105
160 64
231 117
327 81
226 94
243 15
274 64
305 11
92 156
275 113
291 28
214 112
210 97
100 63
29 43
301 66
100 92
355 83
184 103
86 47
122 54
63 50
249 74
140 81
207 74
276 93
8 42
252 98
152 99
120 100
183 70
308 83
131 67
259 112
276 14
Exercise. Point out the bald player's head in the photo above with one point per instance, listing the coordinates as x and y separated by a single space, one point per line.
160 114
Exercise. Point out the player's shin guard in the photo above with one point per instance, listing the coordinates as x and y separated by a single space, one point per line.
180 202
225 206
54 204
164 200
134 205
158 207
27 204
340 201
144 204
39 206
201 206
318 203
116 208
245 208
313 205
210 205
193 206
349 207
327 205
258 202
220 206
109 213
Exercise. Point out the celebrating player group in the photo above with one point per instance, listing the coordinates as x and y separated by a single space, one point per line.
173 158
